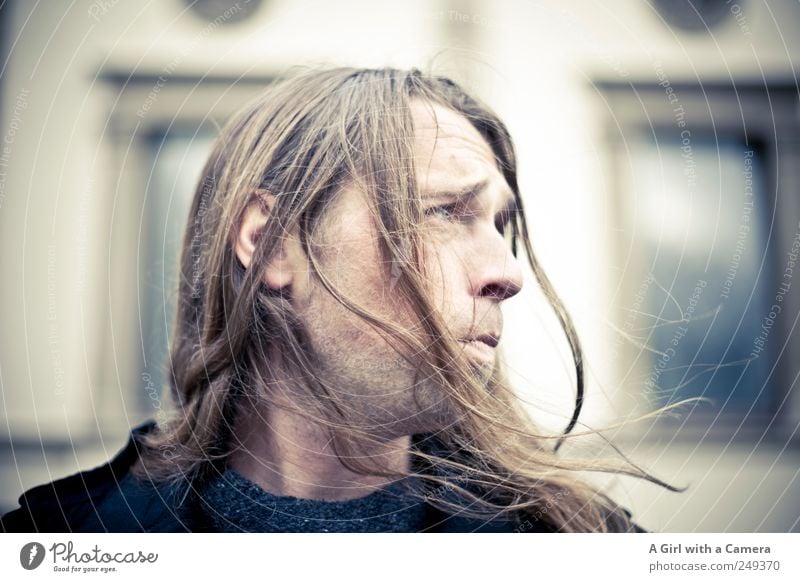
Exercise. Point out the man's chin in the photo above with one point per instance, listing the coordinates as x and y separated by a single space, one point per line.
482 371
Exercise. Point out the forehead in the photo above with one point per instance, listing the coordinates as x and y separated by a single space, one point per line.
448 150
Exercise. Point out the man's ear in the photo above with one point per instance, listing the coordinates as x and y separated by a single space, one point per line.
278 273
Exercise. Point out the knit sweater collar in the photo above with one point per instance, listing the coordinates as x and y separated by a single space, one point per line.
236 504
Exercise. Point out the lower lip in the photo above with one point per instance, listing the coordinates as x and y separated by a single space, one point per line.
483 351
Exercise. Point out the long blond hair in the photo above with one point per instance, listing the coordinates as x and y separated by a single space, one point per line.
303 139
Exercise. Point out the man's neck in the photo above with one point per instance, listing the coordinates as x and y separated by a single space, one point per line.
286 455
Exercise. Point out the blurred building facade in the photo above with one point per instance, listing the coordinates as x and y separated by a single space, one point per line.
658 156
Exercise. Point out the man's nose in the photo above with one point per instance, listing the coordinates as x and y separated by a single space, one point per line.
498 274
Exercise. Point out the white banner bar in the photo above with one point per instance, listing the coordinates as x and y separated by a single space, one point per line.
370 557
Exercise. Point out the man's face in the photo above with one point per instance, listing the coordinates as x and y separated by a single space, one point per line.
466 257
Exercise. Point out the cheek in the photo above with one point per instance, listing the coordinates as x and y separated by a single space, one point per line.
355 267
444 269
358 271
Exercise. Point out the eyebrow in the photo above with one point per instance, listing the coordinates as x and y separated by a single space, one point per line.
470 191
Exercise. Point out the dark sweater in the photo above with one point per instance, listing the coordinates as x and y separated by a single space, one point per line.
236 504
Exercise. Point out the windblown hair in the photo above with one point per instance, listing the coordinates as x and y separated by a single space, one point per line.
303 140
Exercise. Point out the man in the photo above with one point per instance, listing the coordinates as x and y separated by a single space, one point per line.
335 362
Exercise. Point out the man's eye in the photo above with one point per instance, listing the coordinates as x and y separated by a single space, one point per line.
444 212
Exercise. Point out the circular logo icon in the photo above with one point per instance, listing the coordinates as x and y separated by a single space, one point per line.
31 555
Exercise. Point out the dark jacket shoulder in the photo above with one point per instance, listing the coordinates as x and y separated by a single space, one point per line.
104 499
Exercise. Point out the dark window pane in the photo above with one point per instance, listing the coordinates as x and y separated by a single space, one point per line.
178 157
698 210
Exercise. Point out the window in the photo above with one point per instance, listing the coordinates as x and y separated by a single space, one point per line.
706 211
696 219
178 157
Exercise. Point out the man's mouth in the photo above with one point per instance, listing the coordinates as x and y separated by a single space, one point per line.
482 346
490 340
